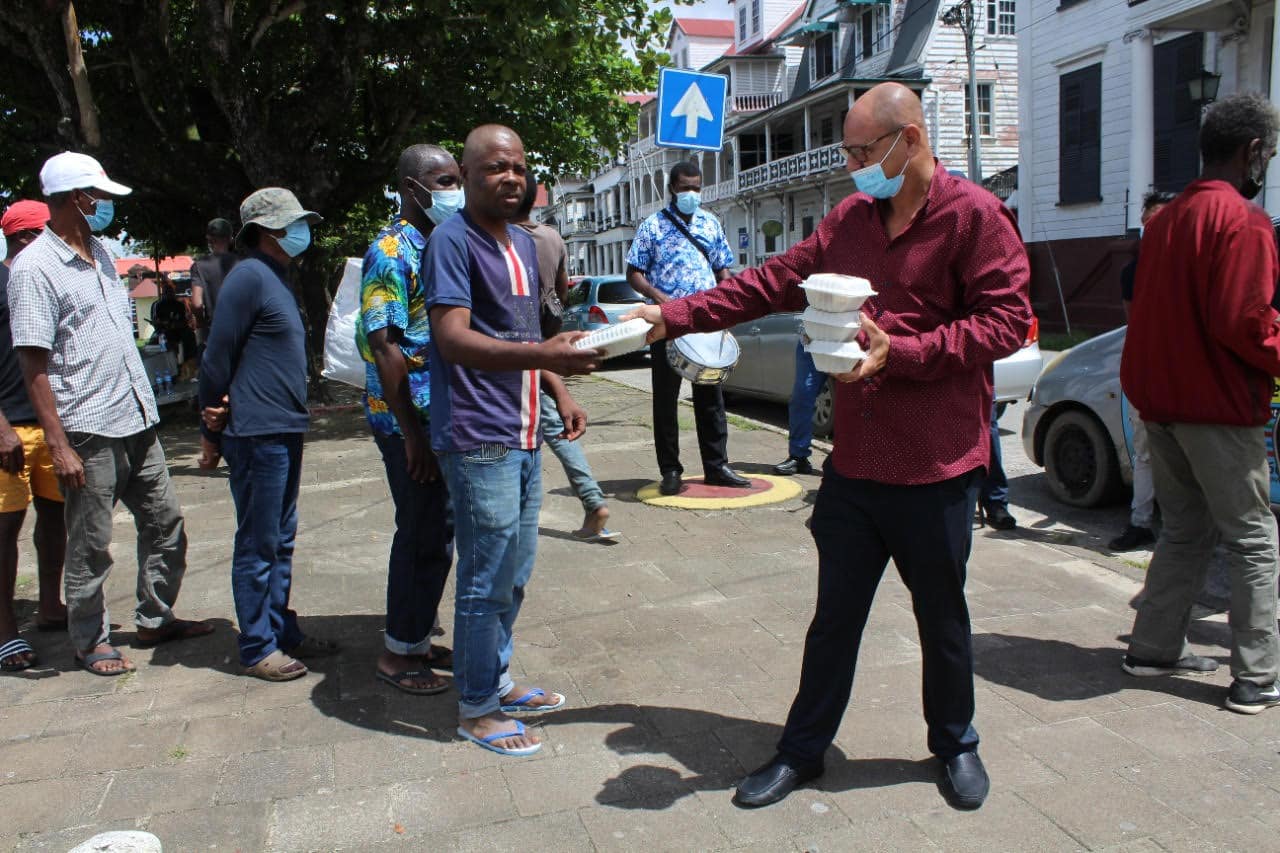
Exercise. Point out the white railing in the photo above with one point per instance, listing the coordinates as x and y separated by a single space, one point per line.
577 226
647 210
722 190
641 148
786 169
754 102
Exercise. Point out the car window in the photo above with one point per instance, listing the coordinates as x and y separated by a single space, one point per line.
578 294
617 293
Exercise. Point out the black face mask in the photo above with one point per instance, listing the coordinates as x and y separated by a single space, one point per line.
1252 185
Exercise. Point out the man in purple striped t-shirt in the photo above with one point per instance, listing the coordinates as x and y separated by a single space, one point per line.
488 362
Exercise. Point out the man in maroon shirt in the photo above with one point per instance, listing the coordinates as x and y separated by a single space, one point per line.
1202 347
912 422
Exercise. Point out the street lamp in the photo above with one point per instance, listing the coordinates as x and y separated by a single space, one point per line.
1203 88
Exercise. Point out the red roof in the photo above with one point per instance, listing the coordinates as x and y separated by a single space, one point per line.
639 98
176 264
541 200
716 28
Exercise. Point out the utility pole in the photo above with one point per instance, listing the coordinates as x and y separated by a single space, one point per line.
962 16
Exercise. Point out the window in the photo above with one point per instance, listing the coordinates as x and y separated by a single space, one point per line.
827 131
1080 136
684 58
806 226
873 32
984 110
824 56
1001 17
755 16
742 24
617 293
750 150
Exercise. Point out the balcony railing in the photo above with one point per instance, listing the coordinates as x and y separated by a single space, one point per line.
722 190
577 226
754 103
647 210
641 148
786 169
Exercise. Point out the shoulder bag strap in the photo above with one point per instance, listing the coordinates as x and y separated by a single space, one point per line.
684 229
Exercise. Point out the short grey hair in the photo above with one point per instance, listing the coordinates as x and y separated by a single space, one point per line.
1234 122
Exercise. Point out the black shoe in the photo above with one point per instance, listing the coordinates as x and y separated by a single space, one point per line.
670 483
1246 697
996 515
1189 665
1132 538
965 783
725 476
794 465
772 782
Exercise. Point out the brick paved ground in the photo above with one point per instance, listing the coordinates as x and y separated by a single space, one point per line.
679 651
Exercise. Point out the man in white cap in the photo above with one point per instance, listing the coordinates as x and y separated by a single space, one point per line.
70 320
256 357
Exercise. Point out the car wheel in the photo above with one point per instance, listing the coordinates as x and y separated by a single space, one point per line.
1080 460
824 411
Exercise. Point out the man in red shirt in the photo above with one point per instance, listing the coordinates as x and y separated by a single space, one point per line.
1202 347
912 422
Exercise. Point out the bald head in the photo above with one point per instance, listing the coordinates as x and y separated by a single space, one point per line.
417 160
487 137
493 172
887 106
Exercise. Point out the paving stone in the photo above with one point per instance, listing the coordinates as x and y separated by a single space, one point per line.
252 732
1243 836
1079 748
453 801
1107 810
564 783
80 714
805 811
52 803
332 820
562 832
35 758
1004 823
1168 730
1203 791
683 825
886 835
242 826
123 745
181 785
274 774
384 760
64 839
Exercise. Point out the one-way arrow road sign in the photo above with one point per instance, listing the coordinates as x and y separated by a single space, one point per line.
691 108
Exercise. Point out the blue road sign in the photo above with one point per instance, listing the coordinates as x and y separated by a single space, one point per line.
691 109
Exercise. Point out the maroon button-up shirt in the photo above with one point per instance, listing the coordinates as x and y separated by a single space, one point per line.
951 291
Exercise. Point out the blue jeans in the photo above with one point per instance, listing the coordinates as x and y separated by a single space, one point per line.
804 398
497 493
995 486
265 470
570 454
421 552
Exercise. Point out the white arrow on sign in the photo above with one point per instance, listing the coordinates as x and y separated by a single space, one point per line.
692 106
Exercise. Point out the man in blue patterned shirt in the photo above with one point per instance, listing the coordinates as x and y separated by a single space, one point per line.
678 251
393 334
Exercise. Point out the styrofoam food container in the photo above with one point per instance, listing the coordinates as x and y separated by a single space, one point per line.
837 293
831 326
618 339
835 356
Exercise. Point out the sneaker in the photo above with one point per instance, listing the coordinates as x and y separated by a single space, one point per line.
1132 538
1189 665
1245 697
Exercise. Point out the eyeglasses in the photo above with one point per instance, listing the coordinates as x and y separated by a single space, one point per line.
860 152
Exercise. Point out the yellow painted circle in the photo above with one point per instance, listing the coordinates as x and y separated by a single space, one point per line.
781 489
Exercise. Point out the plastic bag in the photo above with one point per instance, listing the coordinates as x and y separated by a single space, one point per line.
342 359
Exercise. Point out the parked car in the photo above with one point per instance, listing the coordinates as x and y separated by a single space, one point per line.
767 367
595 301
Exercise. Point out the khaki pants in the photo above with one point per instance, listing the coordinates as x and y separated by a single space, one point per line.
1212 483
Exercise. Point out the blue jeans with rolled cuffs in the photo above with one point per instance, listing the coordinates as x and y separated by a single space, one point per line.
570 454
497 493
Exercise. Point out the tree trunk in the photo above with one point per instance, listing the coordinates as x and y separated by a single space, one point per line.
80 79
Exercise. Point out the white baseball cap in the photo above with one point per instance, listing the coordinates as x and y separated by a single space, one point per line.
71 171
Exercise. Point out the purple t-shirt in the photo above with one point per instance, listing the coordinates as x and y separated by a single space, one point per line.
464 266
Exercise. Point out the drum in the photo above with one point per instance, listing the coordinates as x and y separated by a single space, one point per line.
704 359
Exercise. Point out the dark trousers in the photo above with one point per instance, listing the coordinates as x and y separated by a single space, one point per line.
265 474
421 552
708 413
858 525
995 486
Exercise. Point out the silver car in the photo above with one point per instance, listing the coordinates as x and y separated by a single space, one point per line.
767 367
596 301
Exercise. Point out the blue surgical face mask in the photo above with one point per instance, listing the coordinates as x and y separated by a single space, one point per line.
688 202
296 239
103 213
872 180
445 203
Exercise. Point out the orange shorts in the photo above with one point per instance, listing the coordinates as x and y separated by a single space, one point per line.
36 476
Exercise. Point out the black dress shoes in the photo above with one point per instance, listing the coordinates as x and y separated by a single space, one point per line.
966 783
997 515
670 483
794 465
772 782
725 476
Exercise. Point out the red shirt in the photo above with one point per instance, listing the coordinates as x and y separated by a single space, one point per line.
951 291
1203 341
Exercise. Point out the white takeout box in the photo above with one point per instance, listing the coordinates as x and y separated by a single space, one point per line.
835 356
837 293
618 339
831 326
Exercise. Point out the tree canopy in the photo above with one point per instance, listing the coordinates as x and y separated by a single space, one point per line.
195 103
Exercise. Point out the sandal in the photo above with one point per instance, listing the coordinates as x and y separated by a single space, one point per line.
439 657
522 706
87 661
397 679
314 647
488 741
178 629
277 666
13 652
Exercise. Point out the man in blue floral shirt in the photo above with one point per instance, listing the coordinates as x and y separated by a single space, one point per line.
393 334
678 251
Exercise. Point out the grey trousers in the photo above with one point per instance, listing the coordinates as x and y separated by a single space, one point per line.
132 470
1212 484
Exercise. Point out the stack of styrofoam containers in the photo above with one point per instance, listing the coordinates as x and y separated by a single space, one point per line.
833 320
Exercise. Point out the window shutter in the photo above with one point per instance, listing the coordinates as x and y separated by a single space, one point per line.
1080 136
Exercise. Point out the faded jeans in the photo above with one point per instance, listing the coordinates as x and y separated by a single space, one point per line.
804 399
132 470
497 493
570 454
1212 483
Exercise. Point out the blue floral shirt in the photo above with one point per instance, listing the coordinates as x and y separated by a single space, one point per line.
392 295
673 264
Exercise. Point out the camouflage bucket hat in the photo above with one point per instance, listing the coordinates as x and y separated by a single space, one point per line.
273 208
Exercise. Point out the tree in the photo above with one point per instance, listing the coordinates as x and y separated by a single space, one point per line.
198 102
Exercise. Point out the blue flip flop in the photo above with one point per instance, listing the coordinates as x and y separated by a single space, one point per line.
488 741
521 705
605 535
